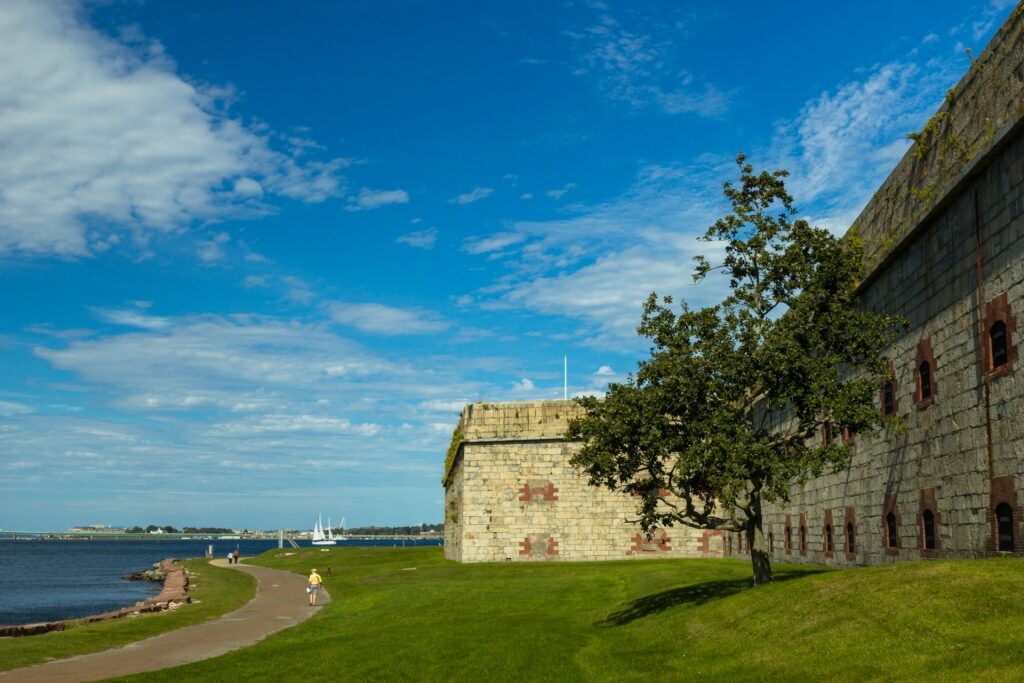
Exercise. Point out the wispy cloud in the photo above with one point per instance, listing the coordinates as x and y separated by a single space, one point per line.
559 192
474 195
642 66
373 199
421 239
491 243
102 137
385 320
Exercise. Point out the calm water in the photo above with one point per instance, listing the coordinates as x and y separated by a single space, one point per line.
50 580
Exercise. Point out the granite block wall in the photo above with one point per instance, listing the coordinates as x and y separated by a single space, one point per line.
945 235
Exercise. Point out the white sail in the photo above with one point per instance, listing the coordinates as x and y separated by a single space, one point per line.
318 536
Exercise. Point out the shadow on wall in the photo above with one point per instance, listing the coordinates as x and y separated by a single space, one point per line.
697 594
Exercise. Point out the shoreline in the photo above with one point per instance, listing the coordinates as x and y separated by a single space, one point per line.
173 594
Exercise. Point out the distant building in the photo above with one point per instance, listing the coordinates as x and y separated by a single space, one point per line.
511 495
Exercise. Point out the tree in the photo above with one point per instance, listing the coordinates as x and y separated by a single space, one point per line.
739 401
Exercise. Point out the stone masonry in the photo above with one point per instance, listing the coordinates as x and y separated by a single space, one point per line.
944 236
511 495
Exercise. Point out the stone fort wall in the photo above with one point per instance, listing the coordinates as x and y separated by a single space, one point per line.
511 495
945 236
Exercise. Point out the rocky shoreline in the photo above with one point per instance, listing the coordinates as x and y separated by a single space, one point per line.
173 594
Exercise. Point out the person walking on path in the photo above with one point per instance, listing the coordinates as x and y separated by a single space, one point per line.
236 554
314 586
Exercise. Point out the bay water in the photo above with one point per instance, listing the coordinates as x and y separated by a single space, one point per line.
49 580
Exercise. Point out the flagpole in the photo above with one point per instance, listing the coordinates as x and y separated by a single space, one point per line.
565 376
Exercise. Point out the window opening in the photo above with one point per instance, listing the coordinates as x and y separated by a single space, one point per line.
890 528
1004 518
889 399
926 380
771 542
928 519
803 538
789 539
850 545
828 538
1000 356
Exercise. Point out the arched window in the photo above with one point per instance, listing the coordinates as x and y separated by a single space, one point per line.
828 538
771 542
928 522
890 531
1004 518
803 539
889 398
1000 354
925 371
851 544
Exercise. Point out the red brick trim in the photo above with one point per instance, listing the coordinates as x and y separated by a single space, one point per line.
828 535
928 502
1003 490
895 392
538 545
802 533
656 541
538 491
787 539
850 522
925 354
704 543
891 546
996 310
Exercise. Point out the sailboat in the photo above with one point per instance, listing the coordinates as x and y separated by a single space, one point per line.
319 537
342 536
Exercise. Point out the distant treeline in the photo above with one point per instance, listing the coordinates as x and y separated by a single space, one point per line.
395 530
184 530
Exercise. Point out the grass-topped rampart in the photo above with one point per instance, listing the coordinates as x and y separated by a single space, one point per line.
409 615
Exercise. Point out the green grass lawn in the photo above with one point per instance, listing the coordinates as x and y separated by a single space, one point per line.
214 591
407 614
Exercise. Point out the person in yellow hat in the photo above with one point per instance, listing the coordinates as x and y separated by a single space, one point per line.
314 586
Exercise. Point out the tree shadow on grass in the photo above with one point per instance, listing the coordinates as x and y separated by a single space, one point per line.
696 594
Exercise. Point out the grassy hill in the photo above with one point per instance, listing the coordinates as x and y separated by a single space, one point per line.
406 614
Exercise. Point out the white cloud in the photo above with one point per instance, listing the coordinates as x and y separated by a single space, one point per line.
526 195
523 385
421 239
100 138
496 242
385 320
558 193
842 144
254 281
640 68
10 409
213 249
474 195
372 199
444 406
605 371
133 319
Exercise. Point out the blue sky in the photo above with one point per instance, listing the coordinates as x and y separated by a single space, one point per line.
255 256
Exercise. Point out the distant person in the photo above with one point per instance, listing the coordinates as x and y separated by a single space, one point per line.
314 586
231 557
236 555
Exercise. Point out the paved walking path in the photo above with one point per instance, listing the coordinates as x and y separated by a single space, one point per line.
280 602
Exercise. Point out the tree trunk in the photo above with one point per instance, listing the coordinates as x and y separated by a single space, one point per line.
759 557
